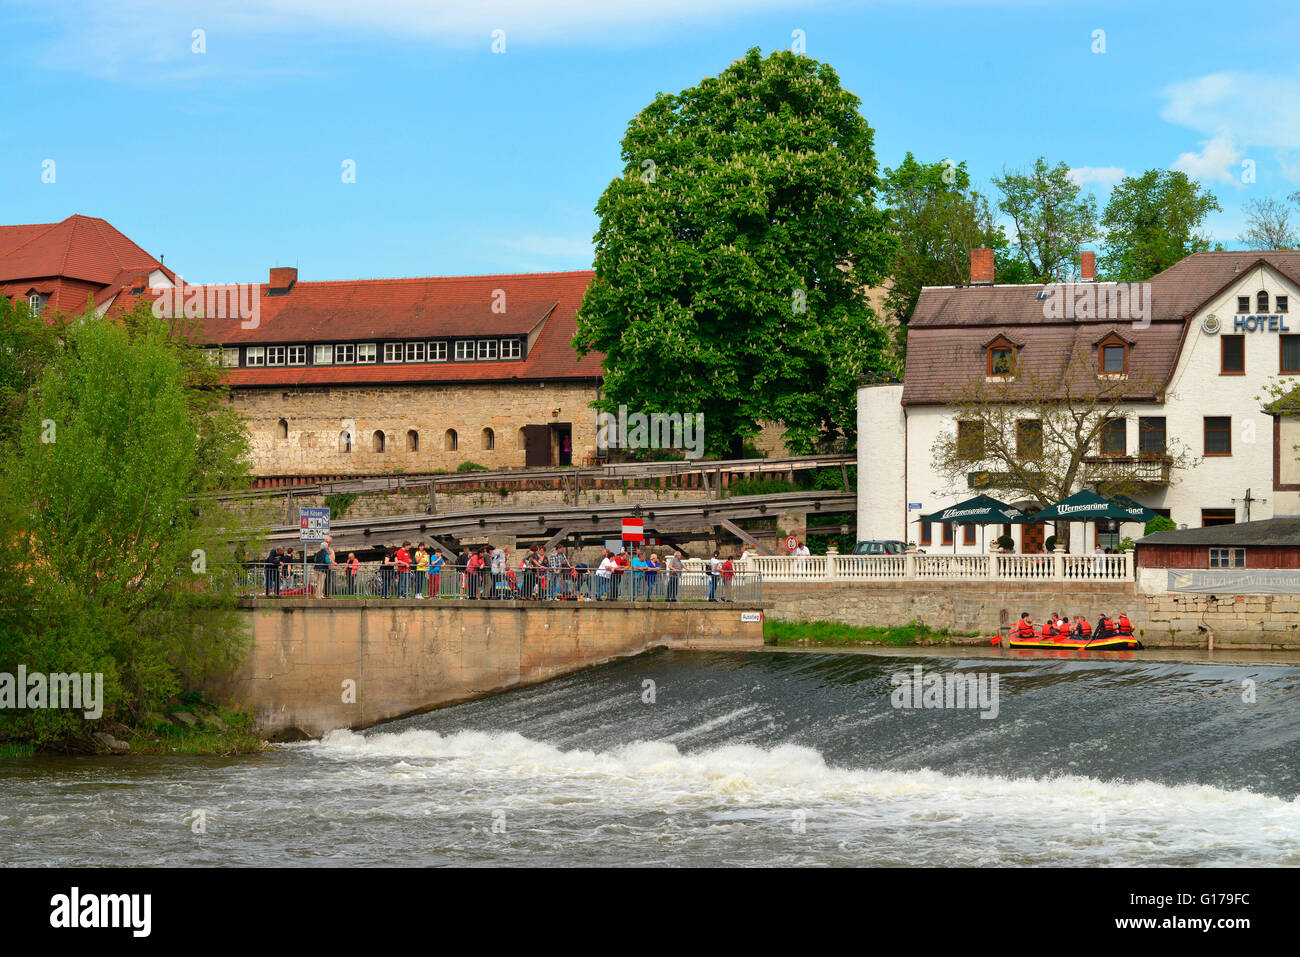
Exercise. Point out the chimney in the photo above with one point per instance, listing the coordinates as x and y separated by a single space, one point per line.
981 267
1088 267
283 277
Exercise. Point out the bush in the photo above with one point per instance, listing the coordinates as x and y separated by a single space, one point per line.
1160 524
471 467
1006 542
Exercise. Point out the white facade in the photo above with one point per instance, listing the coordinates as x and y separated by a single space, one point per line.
895 443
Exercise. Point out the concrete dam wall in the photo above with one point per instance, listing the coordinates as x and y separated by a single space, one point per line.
317 665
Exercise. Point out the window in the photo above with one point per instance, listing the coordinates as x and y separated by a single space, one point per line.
393 352
412 440
34 303
1289 363
1001 361
1114 359
1114 437
968 534
970 440
1227 558
1243 304
489 439
925 533
1279 303
947 533
1218 435
1151 434
487 348
366 352
1218 516
1232 355
255 356
377 442
464 350
297 355
214 356
1261 301
282 429
322 355
1029 438
415 352
437 352
275 355
230 357
345 353
511 349
450 441
345 442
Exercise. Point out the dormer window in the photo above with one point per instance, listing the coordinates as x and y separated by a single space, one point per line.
1112 355
1261 301
34 303
1000 358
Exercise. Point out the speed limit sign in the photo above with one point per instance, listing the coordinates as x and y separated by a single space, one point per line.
792 543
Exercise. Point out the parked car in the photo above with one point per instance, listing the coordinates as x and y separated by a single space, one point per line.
880 547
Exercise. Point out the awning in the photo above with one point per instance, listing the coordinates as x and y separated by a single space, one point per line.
1084 506
980 510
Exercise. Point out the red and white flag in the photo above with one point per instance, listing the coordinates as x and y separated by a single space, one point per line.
633 530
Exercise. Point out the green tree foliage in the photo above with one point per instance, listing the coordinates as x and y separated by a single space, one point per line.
109 564
1159 524
26 344
733 252
1151 222
937 219
1050 218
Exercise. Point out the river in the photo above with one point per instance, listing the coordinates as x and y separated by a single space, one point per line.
734 759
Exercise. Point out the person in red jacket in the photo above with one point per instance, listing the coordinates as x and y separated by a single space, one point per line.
1082 629
1125 626
1024 629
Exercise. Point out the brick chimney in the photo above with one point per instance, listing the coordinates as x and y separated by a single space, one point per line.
981 267
1088 267
283 277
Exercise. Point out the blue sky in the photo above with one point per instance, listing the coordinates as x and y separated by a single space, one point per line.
468 161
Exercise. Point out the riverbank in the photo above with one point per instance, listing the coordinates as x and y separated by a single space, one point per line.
834 634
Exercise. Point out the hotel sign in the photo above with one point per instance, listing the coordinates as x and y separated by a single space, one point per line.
1260 324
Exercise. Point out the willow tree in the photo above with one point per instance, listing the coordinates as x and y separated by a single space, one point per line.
733 253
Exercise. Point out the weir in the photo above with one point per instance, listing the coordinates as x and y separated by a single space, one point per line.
318 665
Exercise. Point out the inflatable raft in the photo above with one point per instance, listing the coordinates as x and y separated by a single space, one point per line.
1113 643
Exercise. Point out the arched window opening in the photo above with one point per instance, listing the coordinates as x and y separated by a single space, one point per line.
377 444
450 441
1261 301
489 439
412 440
282 428
345 441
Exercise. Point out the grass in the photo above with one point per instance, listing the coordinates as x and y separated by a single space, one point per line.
837 634
160 735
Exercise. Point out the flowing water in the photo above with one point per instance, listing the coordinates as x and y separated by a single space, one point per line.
727 759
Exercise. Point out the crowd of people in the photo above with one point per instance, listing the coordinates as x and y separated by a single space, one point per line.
1058 626
485 572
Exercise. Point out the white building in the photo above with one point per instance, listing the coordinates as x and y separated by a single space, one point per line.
1195 346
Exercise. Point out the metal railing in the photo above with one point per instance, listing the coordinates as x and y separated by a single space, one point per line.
968 566
372 580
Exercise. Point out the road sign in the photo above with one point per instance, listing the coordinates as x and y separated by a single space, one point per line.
313 524
633 530
913 505
792 543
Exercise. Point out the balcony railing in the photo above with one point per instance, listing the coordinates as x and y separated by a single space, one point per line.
1146 469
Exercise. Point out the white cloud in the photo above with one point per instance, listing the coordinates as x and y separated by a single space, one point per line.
1256 111
1219 159
1106 176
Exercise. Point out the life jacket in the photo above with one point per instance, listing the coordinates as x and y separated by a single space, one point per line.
1049 630
1105 626
1063 627
1085 629
1025 630
1125 626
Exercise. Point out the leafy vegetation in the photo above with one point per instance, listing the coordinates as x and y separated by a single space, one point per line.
471 467
834 633
1151 222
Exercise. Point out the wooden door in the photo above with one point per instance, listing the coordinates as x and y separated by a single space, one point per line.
537 446
1032 539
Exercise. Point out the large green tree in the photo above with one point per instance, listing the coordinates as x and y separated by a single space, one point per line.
1050 217
937 218
733 254
111 551
1151 222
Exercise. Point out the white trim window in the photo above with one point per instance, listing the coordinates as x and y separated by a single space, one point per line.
345 353
511 349
214 356
1227 558
365 352
464 350
438 351
322 355
275 355
487 348
297 355
230 357
393 352
415 352
255 356
34 303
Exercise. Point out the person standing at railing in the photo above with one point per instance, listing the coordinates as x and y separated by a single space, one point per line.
639 565
728 570
421 570
352 570
473 569
605 575
402 564
386 572
715 575
801 557
321 568
272 572
652 577
1098 562
675 569
436 561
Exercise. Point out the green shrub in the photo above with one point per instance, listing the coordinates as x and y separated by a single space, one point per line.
1160 524
471 467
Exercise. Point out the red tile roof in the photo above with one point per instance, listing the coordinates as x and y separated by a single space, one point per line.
381 310
951 326
79 247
